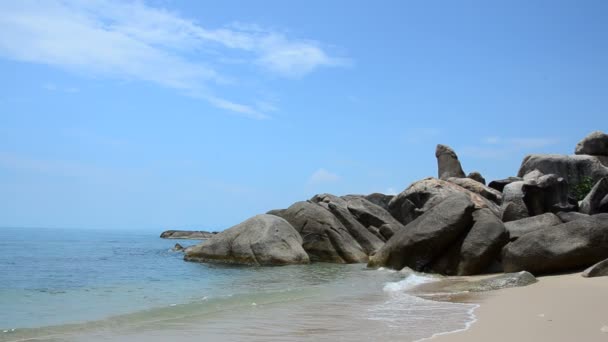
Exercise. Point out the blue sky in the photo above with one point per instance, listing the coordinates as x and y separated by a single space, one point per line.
161 114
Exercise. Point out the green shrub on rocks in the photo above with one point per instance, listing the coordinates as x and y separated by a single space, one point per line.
580 190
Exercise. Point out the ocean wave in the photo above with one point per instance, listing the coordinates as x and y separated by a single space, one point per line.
411 280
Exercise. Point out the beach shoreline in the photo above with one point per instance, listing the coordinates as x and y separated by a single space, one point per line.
558 308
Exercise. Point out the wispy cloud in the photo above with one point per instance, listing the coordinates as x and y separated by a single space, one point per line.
323 176
134 41
495 147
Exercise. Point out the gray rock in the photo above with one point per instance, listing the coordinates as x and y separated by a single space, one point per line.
500 184
387 230
547 193
187 234
425 194
379 199
573 168
560 248
324 237
502 281
325 199
261 240
483 243
598 270
424 239
475 175
571 216
595 144
366 239
513 206
177 248
521 227
370 214
478 188
447 163
592 203
276 212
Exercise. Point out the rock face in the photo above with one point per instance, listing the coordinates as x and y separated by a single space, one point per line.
574 168
571 216
564 247
187 234
260 240
547 193
483 243
513 206
379 199
448 163
498 282
478 188
500 184
598 270
477 177
521 227
595 144
423 195
366 239
370 214
424 239
596 200
324 237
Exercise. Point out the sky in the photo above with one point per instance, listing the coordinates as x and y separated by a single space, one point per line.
200 114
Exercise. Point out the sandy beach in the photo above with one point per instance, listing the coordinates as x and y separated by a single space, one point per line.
557 308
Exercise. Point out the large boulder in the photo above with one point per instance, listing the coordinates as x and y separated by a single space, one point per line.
524 226
423 195
500 184
324 237
546 193
568 216
366 239
560 248
475 175
573 168
424 239
595 144
483 243
379 199
598 270
596 200
260 240
478 188
448 163
370 214
513 206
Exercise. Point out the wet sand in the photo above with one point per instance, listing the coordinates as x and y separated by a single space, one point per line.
557 308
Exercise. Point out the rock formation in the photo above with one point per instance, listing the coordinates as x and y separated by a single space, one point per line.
560 248
187 234
448 163
261 240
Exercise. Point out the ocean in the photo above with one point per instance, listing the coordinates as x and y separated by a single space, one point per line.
101 285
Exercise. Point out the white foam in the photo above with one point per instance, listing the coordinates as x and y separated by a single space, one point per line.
411 280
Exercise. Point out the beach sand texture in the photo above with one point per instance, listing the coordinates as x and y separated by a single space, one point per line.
557 308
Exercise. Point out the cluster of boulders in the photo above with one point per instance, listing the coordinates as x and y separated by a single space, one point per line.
454 224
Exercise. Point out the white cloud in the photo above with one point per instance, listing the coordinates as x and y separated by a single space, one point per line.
134 41
323 176
498 147
390 191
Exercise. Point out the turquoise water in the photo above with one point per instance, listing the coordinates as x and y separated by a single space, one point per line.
87 285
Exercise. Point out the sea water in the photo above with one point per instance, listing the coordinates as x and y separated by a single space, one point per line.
121 285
